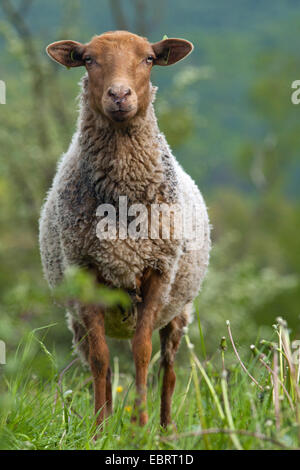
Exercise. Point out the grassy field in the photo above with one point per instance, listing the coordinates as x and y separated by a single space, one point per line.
219 403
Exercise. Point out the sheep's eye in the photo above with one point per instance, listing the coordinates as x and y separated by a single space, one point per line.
88 60
149 59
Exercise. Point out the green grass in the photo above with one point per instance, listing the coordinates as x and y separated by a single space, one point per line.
216 403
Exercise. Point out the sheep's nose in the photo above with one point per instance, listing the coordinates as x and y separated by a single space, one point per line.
118 94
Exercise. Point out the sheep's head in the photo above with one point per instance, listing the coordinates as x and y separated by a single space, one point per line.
119 65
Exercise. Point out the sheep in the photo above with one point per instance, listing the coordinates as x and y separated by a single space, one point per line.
119 151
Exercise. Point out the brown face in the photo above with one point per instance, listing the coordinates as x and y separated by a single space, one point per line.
119 69
119 65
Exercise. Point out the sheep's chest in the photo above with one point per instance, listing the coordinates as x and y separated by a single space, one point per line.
92 192
91 231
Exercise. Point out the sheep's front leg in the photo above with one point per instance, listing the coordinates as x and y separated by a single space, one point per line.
142 349
142 341
98 359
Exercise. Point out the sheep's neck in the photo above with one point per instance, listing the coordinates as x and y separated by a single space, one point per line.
123 162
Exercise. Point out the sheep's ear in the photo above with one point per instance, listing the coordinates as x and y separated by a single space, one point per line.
170 51
68 53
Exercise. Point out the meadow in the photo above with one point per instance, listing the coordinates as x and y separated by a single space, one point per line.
218 404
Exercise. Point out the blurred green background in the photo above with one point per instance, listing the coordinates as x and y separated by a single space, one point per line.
227 114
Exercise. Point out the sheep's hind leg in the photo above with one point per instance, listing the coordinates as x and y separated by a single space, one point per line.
170 337
108 409
93 318
152 292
